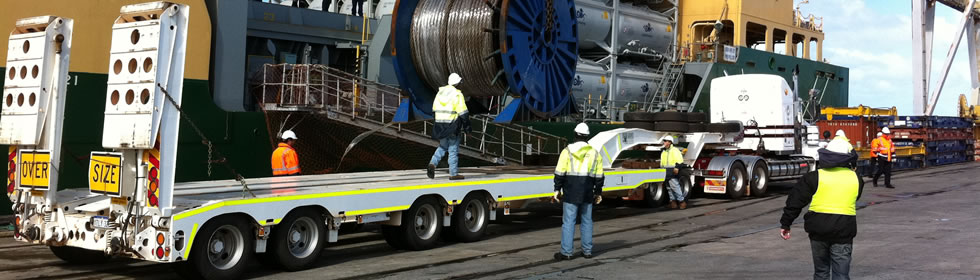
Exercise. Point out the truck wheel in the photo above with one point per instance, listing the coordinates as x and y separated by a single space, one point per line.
760 179
75 255
655 195
638 117
641 125
671 126
697 117
670 116
222 250
723 127
470 218
686 186
736 180
421 224
297 241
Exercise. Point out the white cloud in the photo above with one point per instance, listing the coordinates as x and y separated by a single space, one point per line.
874 40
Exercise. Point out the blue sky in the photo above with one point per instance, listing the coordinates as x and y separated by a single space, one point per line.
874 39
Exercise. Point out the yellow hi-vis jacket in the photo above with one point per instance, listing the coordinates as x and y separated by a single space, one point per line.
837 192
579 174
449 106
671 157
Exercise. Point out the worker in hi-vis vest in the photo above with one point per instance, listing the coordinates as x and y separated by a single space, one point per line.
452 118
832 193
285 161
883 152
670 158
578 184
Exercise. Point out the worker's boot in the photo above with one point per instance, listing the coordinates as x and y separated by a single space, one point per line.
672 205
457 177
683 205
431 171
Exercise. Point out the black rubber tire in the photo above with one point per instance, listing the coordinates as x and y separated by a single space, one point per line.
671 126
79 256
686 186
733 188
670 116
759 182
697 117
198 266
393 235
412 240
697 127
655 195
640 125
638 117
723 127
279 245
459 229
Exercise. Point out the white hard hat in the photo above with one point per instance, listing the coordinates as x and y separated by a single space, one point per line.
582 129
839 146
885 130
669 138
454 79
288 134
879 134
840 132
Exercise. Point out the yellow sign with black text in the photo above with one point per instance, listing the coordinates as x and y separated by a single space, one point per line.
35 169
104 173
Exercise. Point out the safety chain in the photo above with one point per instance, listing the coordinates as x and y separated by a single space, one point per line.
206 141
209 158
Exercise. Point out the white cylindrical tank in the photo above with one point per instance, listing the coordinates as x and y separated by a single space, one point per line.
594 26
649 33
590 82
634 83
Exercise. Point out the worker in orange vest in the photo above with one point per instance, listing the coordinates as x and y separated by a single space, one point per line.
883 151
285 161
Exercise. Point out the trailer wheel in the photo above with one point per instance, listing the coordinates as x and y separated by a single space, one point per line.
393 235
422 224
222 250
760 179
655 195
75 255
737 180
471 218
297 241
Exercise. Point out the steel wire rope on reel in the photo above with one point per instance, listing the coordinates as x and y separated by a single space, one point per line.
470 48
521 48
428 41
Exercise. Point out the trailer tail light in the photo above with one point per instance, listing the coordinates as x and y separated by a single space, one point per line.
11 171
160 239
714 173
17 227
159 252
702 163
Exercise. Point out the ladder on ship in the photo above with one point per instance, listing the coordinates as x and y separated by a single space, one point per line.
352 100
667 82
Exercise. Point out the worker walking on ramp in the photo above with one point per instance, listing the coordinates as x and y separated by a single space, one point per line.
452 118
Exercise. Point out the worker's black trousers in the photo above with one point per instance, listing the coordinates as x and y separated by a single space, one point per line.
884 167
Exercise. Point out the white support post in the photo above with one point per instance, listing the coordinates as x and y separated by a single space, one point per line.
922 49
964 20
972 40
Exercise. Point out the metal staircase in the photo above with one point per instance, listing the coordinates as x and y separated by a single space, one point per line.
349 99
670 76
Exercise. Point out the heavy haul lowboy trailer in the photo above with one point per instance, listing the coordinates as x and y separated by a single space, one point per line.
133 208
